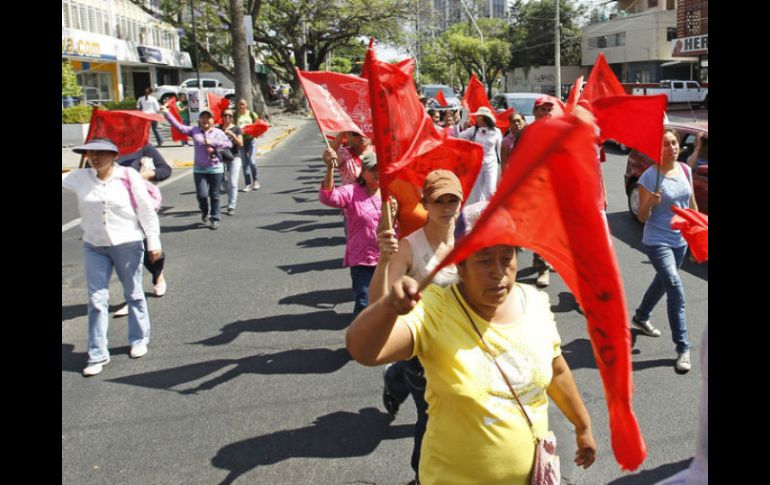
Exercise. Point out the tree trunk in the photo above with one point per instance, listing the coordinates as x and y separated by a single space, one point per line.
240 53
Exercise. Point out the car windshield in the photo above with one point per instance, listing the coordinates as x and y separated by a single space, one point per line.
432 91
522 105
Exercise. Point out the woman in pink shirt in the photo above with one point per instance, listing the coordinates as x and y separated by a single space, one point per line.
361 204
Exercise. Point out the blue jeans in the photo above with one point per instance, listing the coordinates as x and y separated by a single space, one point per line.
667 261
154 125
361 276
127 261
249 160
408 377
231 181
207 187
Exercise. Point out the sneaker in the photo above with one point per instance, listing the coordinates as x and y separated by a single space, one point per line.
137 351
256 185
390 402
121 312
646 327
230 211
214 225
205 219
95 368
543 280
160 288
683 362
246 189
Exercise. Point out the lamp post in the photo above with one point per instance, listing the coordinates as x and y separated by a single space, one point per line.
483 75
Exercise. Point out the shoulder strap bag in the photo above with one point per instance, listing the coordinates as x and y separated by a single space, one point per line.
546 470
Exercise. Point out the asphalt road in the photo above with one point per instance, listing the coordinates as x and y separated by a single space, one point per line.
247 379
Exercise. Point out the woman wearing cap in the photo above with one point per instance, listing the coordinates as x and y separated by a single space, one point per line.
490 138
209 169
361 204
244 117
416 255
477 432
113 231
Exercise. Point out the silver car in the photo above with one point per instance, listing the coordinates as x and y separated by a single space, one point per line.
431 91
522 102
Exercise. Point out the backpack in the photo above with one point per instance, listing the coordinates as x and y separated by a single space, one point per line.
152 190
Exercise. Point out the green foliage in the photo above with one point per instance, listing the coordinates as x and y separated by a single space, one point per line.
341 64
532 33
69 82
126 104
80 113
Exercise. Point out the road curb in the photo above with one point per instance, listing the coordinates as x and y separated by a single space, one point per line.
262 149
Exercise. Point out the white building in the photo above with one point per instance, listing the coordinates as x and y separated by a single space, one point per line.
637 43
118 50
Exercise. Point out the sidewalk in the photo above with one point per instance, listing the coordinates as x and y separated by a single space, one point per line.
180 156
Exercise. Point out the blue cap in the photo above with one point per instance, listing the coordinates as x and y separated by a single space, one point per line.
97 144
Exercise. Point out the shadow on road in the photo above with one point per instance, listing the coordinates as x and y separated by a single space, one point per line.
76 361
188 227
322 242
303 200
314 266
655 475
579 354
322 299
301 226
301 361
567 303
630 232
325 320
68 312
337 435
315 212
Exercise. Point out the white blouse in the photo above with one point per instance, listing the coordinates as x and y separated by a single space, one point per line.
108 217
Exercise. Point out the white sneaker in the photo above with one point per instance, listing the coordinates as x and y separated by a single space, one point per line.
137 351
683 362
121 312
160 288
543 280
95 368
256 185
247 188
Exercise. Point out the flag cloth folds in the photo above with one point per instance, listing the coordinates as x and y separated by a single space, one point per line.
602 82
256 129
176 135
217 105
476 96
129 130
635 121
340 102
540 206
441 99
694 226
408 144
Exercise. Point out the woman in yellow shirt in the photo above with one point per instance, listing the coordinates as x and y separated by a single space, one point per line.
477 433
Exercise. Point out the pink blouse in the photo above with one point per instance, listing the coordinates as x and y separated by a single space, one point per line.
350 165
362 212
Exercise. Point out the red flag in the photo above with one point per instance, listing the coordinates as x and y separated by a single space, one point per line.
176 135
408 144
635 121
340 102
695 230
217 104
476 97
602 82
574 237
129 130
574 95
441 99
256 129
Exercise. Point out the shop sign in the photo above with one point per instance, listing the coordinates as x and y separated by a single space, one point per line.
691 46
82 44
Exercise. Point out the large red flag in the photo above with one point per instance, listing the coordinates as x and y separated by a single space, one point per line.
695 230
408 144
256 129
574 95
129 130
540 179
602 81
476 96
441 99
176 135
340 102
217 105
635 121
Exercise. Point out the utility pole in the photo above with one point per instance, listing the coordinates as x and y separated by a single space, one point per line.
483 75
195 49
557 51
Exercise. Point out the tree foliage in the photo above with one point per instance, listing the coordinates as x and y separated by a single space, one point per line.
532 32
69 81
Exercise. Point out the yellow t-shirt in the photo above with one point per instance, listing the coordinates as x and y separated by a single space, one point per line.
476 431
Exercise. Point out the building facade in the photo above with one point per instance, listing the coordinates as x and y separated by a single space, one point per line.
637 42
692 35
118 50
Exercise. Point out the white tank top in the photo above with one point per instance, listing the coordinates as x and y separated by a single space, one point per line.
424 260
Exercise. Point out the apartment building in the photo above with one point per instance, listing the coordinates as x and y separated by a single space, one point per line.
118 49
692 35
637 43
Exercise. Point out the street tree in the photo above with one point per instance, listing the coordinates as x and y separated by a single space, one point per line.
532 32
465 48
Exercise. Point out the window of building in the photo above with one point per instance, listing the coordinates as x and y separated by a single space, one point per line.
97 86
692 22
83 18
670 4
671 33
652 3
65 15
92 27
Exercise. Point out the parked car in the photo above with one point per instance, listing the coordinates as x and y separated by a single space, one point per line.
163 92
431 91
677 92
523 103
638 163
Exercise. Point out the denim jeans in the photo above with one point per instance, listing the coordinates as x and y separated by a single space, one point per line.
207 187
231 181
361 276
408 377
249 161
667 261
127 261
155 130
